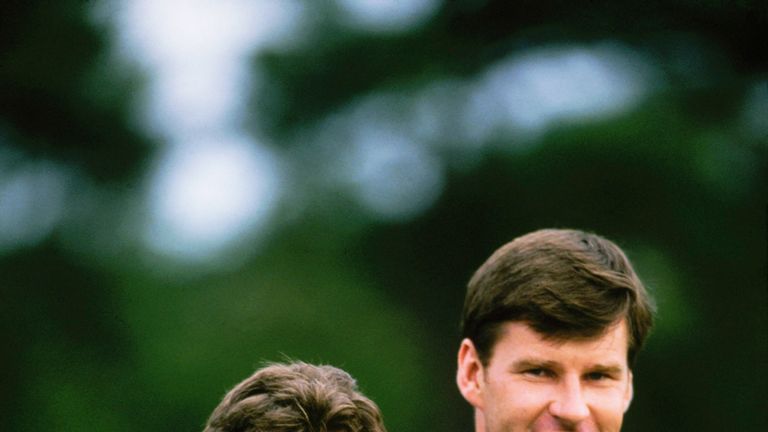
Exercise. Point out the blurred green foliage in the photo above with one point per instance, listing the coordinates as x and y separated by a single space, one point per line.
57 96
113 342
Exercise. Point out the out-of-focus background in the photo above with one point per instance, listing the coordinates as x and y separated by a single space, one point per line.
190 188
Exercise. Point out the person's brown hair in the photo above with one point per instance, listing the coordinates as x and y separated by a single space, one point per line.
565 284
296 397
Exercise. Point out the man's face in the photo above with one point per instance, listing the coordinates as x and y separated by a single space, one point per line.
533 384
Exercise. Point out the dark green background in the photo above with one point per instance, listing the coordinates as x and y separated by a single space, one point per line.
101 340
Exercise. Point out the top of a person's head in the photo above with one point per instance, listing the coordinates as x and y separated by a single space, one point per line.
565 284
296 397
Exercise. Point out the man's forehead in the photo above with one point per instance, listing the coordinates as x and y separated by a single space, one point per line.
609 347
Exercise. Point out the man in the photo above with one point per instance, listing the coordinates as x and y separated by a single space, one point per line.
296 397
551 325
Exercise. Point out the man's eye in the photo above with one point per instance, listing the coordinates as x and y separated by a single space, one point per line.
597 376
539 372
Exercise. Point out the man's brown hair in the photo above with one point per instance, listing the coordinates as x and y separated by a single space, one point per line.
296 397
565 284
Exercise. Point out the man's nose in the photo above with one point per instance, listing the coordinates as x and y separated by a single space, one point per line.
569 404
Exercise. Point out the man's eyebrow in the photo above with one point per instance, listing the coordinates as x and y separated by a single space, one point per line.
533 363
612 368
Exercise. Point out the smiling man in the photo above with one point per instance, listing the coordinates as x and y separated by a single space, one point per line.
551 326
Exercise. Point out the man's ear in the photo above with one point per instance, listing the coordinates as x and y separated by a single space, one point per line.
469 374
629 393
